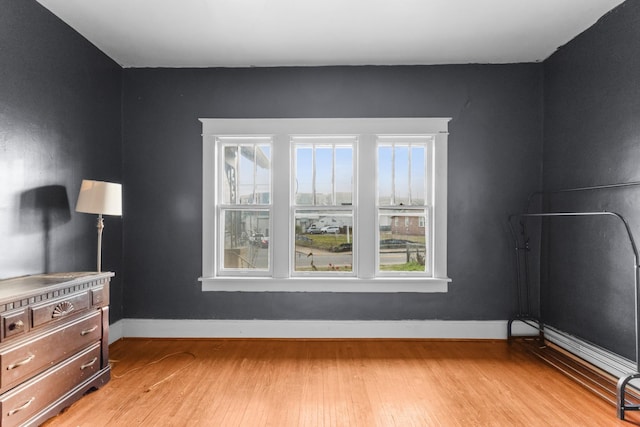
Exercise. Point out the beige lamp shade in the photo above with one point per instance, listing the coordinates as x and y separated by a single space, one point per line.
99 197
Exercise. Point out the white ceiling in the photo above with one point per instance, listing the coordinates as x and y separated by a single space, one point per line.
242 33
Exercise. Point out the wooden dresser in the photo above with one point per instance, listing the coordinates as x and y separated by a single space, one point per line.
54 343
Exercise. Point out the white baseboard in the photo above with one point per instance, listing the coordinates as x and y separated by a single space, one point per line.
603 359
116 331
210 328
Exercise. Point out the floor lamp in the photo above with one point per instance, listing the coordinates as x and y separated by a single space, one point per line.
102 198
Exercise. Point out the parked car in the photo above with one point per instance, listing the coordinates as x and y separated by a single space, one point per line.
342 247
332 229
313 229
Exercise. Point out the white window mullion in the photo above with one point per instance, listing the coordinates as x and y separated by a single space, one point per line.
367 221
281 218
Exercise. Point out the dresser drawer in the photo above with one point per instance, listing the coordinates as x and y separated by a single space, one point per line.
24 358
14 323
58 309
23 402
100 296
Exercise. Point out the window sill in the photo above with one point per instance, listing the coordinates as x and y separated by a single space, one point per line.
325 284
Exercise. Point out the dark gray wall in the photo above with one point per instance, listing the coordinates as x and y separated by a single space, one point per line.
592 137
60 120
494 160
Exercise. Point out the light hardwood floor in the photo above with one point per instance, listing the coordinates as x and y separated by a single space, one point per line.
366 383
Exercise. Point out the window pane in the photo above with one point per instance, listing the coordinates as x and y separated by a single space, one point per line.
263 174
247 172
385 170
323 241
246 239
324 175
246 175
344 175
401 166
304 175
401 174
402 241
324 171
417 175
229 181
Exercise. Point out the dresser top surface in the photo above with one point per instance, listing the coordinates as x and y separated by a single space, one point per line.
29 285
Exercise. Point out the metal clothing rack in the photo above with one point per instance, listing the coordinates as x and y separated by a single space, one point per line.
525 314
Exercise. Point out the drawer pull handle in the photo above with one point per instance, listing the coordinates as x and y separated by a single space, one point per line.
23 406
22 362
88 331
16 326
89 364
62 309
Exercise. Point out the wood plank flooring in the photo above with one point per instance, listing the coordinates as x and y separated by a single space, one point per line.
323 383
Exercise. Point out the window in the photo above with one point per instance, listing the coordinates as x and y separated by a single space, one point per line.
404 190
324 205
323 212
244 205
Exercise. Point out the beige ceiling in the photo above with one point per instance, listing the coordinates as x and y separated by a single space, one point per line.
242 33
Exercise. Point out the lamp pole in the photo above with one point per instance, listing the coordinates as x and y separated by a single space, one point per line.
100 226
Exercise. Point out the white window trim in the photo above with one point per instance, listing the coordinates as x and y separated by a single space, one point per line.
281 281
